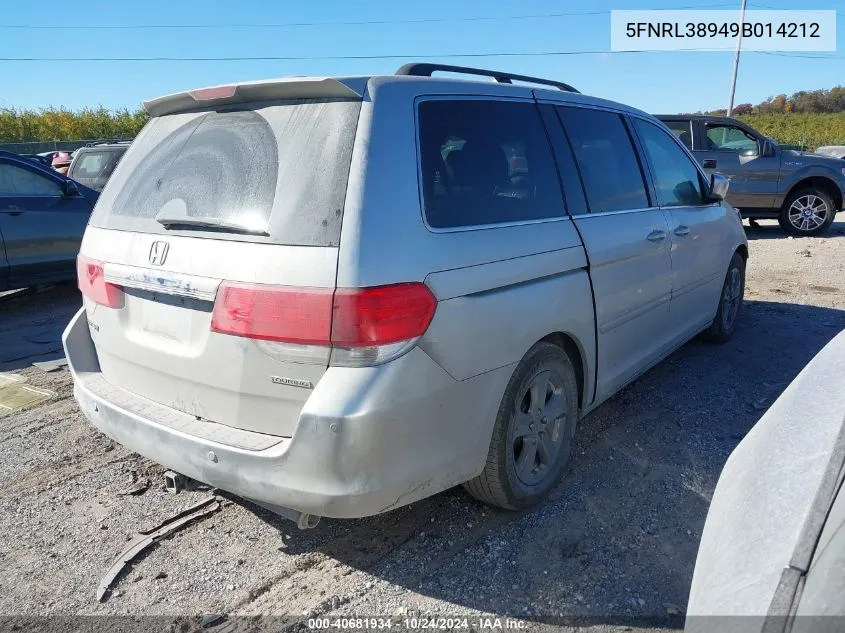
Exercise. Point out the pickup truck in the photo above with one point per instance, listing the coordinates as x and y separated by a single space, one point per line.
802 191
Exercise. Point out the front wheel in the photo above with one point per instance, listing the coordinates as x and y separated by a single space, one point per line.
730 302
532 436
807 212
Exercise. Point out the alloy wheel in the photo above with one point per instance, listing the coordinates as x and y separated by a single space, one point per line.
538 428
731 296
808 212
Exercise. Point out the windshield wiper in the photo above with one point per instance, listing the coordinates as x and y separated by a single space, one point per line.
215 225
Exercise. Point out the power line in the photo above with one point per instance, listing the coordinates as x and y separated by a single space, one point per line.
327 57
533 16
768 6
798 55
377 57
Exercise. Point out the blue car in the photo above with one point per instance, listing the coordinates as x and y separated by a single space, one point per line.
43 215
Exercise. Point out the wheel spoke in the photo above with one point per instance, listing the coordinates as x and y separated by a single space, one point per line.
546 449
556 408
539 389
527 457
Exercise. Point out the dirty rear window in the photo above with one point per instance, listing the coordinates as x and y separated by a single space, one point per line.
279 169
92 164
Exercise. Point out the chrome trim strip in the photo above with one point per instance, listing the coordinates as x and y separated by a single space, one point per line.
167 282
499 225
579 216
709 205
600 214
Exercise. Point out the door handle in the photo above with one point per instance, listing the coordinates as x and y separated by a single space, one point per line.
656 236
12 210
709 163
681 230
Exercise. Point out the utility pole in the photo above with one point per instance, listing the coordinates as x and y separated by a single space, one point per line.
736 57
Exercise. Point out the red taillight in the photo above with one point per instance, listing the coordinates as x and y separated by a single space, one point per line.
92 283
381 315
314 316
273 313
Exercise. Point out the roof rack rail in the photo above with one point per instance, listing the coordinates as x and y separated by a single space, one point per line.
115 142
421 69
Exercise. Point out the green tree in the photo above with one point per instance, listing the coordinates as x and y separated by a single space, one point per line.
61 124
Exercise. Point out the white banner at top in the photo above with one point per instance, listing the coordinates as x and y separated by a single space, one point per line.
670 30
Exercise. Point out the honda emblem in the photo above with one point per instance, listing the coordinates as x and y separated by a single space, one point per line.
158 253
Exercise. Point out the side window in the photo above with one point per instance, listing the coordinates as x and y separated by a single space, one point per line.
681 129
485 162
729 138
676 178
613 180
17 181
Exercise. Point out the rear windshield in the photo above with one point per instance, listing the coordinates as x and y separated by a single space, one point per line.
92 164
279 170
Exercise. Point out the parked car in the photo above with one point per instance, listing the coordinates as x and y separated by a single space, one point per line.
42 160
772 554
93 165
802 191
42 218
339 296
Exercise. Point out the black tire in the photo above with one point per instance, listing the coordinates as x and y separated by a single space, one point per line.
813 200
730 302
508 481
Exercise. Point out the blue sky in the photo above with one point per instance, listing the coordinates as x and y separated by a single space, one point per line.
655 82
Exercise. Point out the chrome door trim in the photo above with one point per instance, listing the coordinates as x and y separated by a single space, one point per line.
582 216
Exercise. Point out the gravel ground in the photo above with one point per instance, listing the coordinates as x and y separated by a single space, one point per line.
616 542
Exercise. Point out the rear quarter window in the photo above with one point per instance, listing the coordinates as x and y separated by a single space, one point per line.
279 168
485 162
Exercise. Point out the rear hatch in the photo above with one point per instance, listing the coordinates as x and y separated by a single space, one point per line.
219 202
93 167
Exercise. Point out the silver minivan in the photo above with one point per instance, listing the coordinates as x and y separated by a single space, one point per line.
336 296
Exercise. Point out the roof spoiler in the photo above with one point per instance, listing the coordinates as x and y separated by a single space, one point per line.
250 92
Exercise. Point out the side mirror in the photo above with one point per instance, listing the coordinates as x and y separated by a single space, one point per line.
767 147
719 186
71 189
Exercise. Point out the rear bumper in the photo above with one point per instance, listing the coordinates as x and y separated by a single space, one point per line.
368 440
